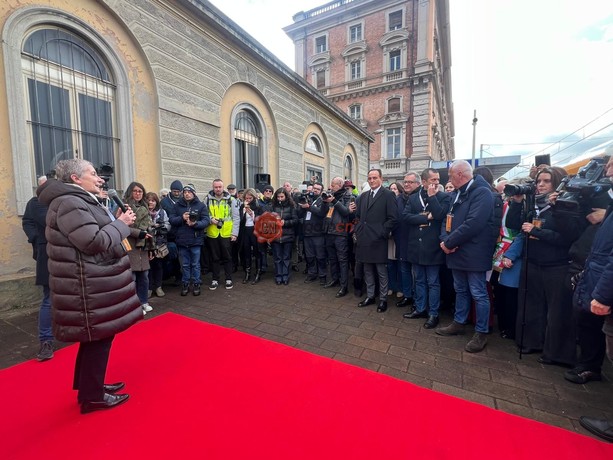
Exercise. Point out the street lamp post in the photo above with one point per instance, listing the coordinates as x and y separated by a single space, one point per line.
474 135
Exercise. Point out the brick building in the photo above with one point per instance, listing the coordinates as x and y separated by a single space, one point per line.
386 63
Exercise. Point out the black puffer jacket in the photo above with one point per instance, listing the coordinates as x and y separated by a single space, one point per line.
92 291
288 214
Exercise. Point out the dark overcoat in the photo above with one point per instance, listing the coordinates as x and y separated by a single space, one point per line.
33 225
423 247
472 207
376 220
92 291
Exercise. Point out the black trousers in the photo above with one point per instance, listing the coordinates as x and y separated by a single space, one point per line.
315 255
548 314
591 339
249 248
90 369
221 256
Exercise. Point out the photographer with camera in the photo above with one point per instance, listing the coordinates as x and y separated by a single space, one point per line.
544 319
159 243
312 215
189 218
247 239
222 230
338 206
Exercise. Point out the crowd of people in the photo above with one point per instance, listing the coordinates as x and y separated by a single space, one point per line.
468 246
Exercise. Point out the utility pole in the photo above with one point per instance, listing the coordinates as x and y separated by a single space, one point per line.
474 135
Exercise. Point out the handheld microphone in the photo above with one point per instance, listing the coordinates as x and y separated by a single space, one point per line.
113 196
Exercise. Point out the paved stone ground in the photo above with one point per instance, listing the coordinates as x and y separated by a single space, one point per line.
310 318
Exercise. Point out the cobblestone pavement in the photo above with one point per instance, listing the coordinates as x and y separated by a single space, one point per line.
310 318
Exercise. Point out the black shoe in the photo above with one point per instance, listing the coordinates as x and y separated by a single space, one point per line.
332 283
258 277
286 282
581 376
278 283
431 323
295 268
247 276
415 314
196 289
113 388
528 351
405 302
342 292
185 289
550 362
108 402
310 279
366 302
382 306
599 427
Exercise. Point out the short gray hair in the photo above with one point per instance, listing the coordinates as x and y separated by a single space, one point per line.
66 168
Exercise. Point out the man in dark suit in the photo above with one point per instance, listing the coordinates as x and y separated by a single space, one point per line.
377 214
423 216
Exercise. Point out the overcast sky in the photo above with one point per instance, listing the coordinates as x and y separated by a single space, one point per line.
536 71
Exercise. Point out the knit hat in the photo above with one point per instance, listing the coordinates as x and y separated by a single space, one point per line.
176 185
268 187
190 188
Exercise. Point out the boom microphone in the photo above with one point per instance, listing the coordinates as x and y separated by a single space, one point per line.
113 196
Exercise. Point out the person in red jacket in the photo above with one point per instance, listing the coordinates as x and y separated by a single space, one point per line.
92 291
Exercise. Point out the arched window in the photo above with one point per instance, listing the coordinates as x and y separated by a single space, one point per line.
70 100
348 168
247 144
313 145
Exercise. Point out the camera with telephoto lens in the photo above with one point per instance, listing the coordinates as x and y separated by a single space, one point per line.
520 189
579 189
193 216
219 223
306 197
327 194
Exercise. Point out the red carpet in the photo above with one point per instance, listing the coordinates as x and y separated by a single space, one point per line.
203 391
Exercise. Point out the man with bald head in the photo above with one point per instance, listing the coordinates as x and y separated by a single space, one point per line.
467 242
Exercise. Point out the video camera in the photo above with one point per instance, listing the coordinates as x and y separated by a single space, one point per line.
306 197
105 171
581 188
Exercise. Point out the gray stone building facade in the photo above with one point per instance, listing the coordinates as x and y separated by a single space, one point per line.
168 90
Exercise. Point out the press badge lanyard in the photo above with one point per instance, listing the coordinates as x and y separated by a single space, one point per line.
538 211
450 214
423 204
